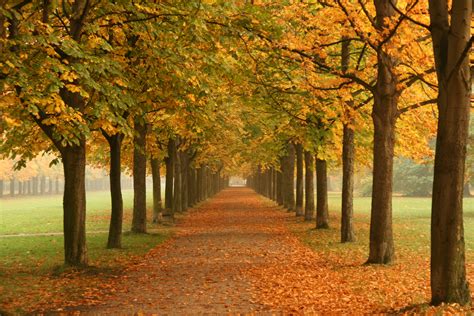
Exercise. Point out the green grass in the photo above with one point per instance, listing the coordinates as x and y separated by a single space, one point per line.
33 265
43 214
411 225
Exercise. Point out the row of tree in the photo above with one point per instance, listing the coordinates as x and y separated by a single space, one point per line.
222 87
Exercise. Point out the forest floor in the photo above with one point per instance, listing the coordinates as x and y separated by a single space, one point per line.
240 253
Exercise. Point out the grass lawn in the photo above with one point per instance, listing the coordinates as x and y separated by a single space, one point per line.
31 270
44 214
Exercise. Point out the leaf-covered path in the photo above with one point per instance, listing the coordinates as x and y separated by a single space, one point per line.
205 267
236 254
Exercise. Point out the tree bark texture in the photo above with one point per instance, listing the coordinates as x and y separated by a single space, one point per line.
384 116
309 186
451 36
156 178
299 180
347 208
322 212
116 219
139 178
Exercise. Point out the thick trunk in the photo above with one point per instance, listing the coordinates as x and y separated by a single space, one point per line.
116 218
448 271
322 212
347 230
384 116
381 236
169 174
309 186
139 178
299 180
74 204
156 177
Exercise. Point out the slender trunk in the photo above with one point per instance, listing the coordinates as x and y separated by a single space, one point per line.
191 186
35 186
74 204
116 218
199 183
450 42
50 185
322 213
57 185
288 178
384 116
347 230
156 177
20 188
299 180
169 174
309 186
12 187
139 178
279 177
42 185
184 180
2 185
177 189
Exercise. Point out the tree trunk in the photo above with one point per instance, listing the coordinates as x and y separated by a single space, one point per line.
177 189
139 178
299 180
184 180
42 185
347 230
279 177
288 178
50 185
450 43
384 116
35 186
2 185
12 187
199 183
309 186
169 174
116 218
74 204
156 177
191 186
322 212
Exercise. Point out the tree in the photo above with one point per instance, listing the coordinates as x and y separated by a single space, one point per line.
450 32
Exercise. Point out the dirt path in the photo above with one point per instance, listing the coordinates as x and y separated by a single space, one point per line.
204 269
